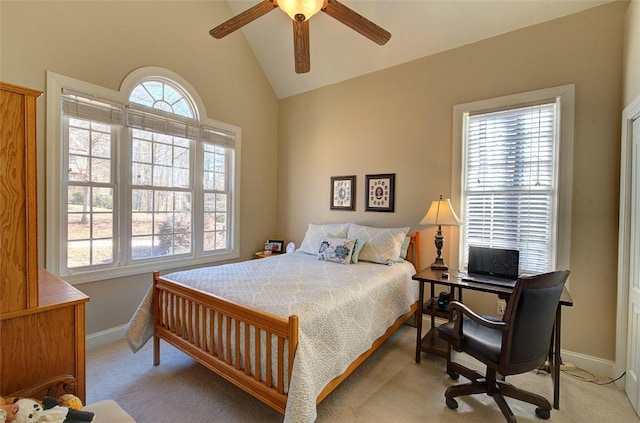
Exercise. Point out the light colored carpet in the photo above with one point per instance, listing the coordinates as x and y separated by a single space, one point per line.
389 387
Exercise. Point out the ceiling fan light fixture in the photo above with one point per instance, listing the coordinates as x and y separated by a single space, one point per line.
295 8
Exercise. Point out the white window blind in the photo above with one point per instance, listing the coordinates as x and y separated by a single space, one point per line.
154 122
86 107
510 183
96 109
218 137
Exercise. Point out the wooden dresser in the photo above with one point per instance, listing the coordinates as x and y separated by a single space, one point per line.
42 318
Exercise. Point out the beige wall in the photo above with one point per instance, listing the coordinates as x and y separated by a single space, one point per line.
631 63
394 121
101 42
400 121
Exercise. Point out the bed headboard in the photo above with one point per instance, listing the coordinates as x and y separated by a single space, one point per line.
413 252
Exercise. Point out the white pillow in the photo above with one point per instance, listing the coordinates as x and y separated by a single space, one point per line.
316 233
381 245
338 250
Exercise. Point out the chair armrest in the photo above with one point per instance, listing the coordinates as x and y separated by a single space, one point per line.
54 387
457 312
457 309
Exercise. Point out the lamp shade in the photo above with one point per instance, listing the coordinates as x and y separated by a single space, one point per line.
441 213
306 8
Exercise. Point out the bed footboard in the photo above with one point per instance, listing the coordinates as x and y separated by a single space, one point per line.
252 349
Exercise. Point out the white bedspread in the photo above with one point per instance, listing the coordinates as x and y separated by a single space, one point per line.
342 309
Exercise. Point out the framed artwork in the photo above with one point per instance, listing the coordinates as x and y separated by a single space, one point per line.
343 191
275 246
380 192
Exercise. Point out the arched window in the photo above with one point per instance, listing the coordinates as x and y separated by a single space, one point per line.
162 95
148 180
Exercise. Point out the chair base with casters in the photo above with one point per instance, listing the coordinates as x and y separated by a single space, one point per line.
494 387
516 344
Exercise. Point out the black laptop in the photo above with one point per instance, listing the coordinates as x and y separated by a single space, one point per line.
493 266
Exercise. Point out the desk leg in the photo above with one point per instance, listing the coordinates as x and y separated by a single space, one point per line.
432 295
557 361
419 323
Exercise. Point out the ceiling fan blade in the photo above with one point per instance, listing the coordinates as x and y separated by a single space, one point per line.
243 18
301 54
356 22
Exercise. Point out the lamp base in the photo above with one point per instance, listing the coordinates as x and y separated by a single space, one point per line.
439 264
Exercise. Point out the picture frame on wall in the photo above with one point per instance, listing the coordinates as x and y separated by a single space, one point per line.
343 190
380 192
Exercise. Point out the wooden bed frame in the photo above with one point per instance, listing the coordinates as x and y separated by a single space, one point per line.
53 387
281 335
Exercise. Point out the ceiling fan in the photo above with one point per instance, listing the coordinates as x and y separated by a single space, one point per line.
301 11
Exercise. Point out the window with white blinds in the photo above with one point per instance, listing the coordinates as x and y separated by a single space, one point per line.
510 183
142 178
512 176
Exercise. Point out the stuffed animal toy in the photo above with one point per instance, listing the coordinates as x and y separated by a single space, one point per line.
29 411
71 401
55 412
7 411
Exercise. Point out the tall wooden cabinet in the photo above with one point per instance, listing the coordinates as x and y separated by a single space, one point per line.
42 318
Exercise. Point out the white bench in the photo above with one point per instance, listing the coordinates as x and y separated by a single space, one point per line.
108 411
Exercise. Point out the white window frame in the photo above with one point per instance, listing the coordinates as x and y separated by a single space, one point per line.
56 216
565 95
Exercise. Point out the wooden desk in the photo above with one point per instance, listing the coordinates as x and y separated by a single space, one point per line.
431 342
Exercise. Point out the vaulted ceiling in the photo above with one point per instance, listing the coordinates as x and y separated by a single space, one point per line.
419 28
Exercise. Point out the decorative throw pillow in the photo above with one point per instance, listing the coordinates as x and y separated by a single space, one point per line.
316 233
338 250
381 245
356 248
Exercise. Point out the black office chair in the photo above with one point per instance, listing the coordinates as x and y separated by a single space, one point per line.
516 344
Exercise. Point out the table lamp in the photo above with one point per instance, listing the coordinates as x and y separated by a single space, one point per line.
440 213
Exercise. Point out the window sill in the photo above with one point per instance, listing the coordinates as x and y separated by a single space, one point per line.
147 267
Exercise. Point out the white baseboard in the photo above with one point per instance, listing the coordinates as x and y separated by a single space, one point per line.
104 337
595 365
